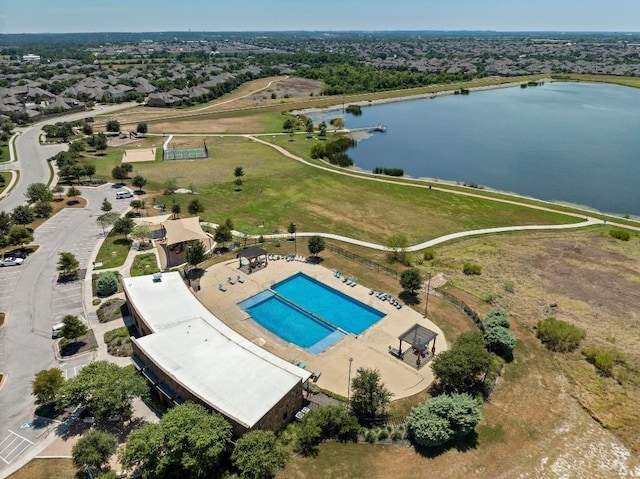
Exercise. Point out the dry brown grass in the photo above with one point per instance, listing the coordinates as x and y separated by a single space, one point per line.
46 469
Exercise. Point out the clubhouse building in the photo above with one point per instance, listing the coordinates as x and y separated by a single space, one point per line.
187 354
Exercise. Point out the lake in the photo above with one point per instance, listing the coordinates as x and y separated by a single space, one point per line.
574 143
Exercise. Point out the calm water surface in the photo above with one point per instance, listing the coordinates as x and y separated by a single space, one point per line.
567 142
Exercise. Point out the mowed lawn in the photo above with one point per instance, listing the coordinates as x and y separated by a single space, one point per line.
277 191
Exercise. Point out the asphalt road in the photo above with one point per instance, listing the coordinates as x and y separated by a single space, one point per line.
31 156
31 296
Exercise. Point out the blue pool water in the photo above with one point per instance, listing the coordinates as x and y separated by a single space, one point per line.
332 305
307 313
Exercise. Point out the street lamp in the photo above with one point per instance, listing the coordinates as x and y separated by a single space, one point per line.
349 385
426 305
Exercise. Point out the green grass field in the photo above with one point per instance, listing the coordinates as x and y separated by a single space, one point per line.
113 252
277 191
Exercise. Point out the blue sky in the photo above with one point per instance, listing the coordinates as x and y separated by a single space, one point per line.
37 16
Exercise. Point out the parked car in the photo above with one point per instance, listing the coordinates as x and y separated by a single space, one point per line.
11 261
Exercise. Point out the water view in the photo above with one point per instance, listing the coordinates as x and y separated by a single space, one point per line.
565 142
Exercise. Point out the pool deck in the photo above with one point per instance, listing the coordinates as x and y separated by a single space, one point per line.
370 349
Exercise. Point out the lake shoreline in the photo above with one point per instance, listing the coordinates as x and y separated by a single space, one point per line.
433 95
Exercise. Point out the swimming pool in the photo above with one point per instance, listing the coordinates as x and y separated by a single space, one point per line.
308 313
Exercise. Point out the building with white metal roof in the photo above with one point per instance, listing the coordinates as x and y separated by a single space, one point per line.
187 353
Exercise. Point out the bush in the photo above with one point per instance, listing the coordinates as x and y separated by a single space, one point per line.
509 287
107 283
622 235
496 317
604 359
500 340
429 254
442 419
370 436
558 335
471 268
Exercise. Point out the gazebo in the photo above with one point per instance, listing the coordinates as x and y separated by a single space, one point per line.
419 338
254 256
176 235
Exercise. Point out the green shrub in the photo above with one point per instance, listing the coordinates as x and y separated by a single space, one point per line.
396 435
604 359
489 298
107 283
96 301
509 287
370 436
442 419
383 434
500 341
471 268
496 317
558 335
429 254
622 235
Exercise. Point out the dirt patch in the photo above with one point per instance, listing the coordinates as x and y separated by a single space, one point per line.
245 124
293 87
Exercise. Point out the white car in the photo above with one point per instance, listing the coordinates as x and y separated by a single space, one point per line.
11 261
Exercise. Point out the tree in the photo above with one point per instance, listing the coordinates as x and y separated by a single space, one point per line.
463 367
175 209
67 263
22 215
106 206
142 128
42 209
123 226
100 142
223 234
137 204
19 235
369 396
238 173
94 449
259 455
105 389
113 126
170 186
309 128
139 182
196 253
315 245
338 123
500 341
442 419
397 246
38 192
322 133
46 384
119 173
292 228
107 220
87 129
73 192
5 222
89 170
107 283
411 280
287 125
58 190
142 233
188 441
73 327
195 207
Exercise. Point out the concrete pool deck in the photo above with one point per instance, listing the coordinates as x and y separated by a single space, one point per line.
370 349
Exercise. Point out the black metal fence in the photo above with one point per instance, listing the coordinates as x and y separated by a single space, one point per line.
372 265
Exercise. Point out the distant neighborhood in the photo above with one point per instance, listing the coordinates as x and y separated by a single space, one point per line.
169 73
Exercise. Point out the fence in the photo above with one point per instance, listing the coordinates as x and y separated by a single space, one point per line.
372 265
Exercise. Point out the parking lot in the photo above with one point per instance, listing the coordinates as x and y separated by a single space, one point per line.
12 445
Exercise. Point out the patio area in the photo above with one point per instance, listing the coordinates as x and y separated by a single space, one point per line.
371 349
